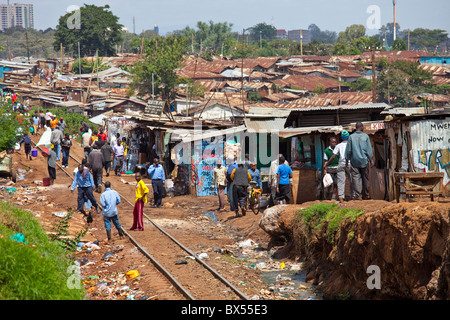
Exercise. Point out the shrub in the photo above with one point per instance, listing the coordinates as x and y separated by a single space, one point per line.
319 215
37 269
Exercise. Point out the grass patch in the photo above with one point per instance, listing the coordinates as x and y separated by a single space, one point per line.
318 215
37 270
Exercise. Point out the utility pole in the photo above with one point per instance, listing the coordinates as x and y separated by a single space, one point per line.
408 40
79 69
242 73
394 2
301 42
374 78
62 58
28 47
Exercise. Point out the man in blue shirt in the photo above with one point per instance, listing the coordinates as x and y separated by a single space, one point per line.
255 174
359 153
156 174
109 200
85 184
284 173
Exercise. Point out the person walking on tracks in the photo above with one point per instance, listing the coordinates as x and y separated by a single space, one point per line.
156 174
118 152
97 163
141 198
85 183
51 163
109 201
66 143
241 178
220 180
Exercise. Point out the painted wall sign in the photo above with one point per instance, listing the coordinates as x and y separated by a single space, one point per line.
430 140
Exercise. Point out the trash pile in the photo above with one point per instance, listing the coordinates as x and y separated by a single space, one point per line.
285 280
113 286
116 286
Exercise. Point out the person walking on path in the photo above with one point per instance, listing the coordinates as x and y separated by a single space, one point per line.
273 177
118 153
156 174
109 201
66 144
359 153
107 152
241 178
56 138
85 183
97 162
230 169
86 143
26 140
284 174
141 198
220 181
35 121
342 170
331 169
51 163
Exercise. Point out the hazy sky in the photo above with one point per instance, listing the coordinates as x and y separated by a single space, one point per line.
334 15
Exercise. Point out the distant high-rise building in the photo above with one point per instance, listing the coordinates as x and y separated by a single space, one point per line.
156 29
16 15
295 35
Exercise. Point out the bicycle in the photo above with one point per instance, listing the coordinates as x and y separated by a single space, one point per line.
254 197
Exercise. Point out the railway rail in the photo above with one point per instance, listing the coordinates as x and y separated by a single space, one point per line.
164 270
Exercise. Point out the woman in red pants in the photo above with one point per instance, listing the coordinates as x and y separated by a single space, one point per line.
141 198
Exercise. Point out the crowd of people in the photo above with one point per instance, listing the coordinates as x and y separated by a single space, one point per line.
350 159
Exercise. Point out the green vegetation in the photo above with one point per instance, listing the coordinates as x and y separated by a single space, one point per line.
36 270
319 215
97 29
9 127
61 233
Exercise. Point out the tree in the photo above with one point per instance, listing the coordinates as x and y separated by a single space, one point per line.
10 127
362 85
387 33
351 33
99 30
399 45
426 39
322 36
208 36
162 57
263 31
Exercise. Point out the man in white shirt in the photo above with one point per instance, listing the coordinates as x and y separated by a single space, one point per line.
273 178
118 153
342 170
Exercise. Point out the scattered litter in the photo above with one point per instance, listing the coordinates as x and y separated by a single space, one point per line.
203 255
181 262
18 237
249 243
60 214
132 274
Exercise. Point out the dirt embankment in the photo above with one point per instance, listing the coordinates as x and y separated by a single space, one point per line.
408 242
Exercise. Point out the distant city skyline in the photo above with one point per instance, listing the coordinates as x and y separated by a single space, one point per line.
171 15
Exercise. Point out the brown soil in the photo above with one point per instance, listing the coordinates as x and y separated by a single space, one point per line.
408 241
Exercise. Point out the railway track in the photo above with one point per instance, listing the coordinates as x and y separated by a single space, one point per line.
180 278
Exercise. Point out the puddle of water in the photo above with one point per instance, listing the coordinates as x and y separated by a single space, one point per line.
289 284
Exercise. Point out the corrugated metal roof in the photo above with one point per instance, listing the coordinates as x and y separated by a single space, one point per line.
265 125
